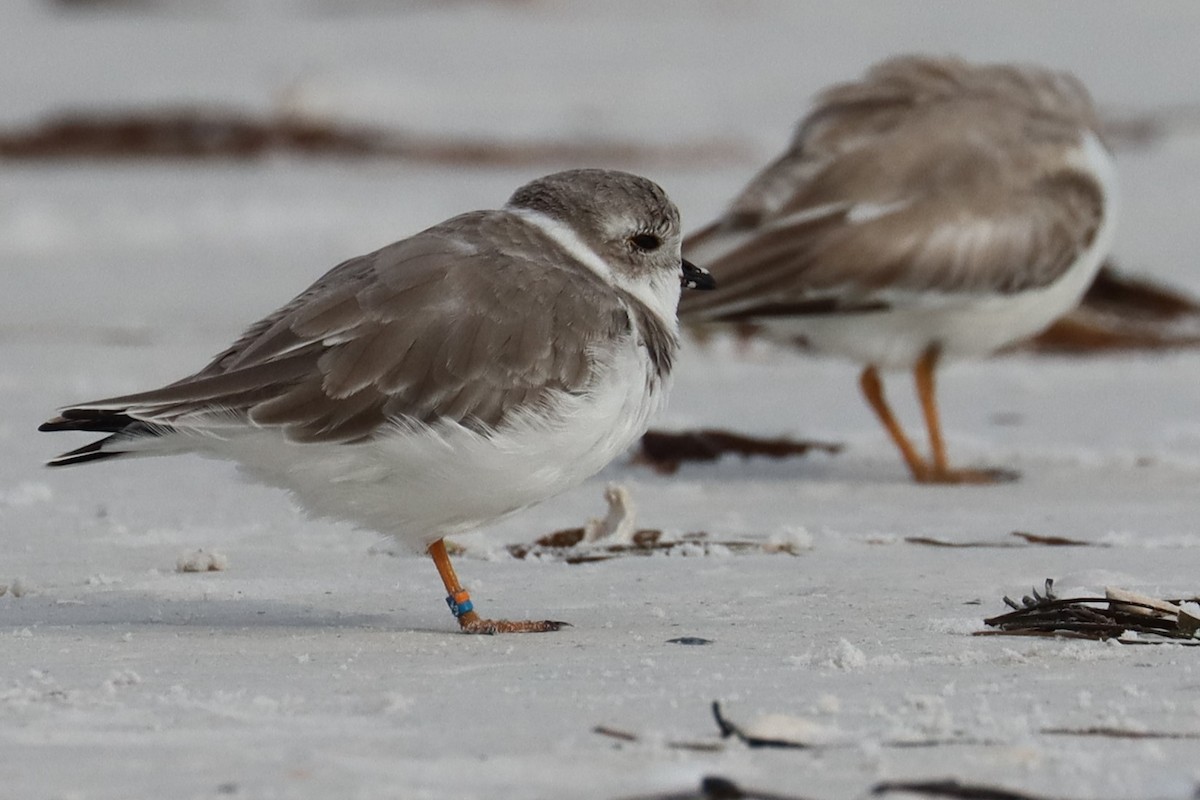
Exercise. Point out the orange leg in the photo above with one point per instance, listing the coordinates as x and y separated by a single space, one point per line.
923 375
872 389
463 609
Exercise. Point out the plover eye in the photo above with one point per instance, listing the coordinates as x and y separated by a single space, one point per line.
646 241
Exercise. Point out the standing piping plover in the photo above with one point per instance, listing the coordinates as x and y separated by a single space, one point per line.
934 209
447 380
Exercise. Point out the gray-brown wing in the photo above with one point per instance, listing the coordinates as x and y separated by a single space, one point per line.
833 261
928 176
467 322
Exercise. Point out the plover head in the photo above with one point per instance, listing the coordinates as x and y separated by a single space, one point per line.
622 226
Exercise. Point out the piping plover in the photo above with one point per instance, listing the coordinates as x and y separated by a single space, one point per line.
933 209
447 380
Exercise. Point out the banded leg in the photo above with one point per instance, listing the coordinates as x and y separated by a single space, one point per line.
463 609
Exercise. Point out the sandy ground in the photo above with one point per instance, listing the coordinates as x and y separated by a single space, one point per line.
316 664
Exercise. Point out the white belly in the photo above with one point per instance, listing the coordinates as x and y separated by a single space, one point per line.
419 486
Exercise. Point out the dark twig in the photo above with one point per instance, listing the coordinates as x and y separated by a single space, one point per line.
1120 733
626 736
728 729
1054 541
1029 538
953 789
930 541
715 787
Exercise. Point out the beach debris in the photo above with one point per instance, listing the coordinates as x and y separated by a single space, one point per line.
570 547
627 736
1028 538
1107 732
1121 615
953 789
794 736
664 451
617 526
201 561
215 134
715 787
616 535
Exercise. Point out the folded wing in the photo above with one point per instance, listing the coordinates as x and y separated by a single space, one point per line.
464 323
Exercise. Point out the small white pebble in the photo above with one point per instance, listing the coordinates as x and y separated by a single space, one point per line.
791 539
200 561
845 656
20 587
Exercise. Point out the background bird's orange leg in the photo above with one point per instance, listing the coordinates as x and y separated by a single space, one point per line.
872 389
924 376
462 608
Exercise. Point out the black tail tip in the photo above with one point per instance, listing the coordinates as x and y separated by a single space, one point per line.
89 452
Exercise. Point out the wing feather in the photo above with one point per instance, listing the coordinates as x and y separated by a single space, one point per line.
467 322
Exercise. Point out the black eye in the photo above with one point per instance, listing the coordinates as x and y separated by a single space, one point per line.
646 241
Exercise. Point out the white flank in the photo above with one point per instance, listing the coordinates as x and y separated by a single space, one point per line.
419 483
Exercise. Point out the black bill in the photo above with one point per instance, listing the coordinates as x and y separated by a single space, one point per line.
694 277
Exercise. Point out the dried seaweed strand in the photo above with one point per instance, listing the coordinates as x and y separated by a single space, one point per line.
1046 614
1120 733
626 736
954 789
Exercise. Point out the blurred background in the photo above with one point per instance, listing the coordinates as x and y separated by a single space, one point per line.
171 170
